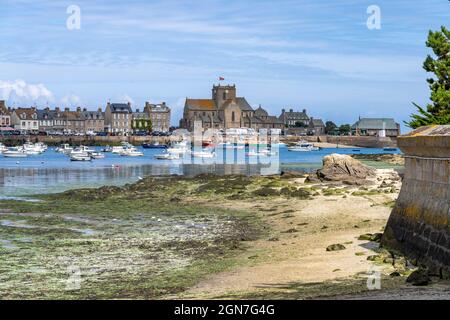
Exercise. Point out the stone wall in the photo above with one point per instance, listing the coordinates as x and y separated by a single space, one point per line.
419 225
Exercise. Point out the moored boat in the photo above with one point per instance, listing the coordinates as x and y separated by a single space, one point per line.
15 152
303 146
155 145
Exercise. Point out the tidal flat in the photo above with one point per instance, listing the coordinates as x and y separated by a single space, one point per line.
203 237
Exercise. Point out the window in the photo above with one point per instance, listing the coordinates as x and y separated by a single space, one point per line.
232 116
224 96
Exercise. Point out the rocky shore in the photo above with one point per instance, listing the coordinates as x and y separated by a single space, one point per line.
289 236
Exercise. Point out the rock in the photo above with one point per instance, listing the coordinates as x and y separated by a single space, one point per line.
395 274
365 237
336 247
339 167
419 278
376 237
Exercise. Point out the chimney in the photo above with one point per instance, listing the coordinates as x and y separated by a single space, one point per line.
78 109
47 109
129 103
99 109
291 110
283 110
57 109
84 109
137 110
304 111
164 104
66 109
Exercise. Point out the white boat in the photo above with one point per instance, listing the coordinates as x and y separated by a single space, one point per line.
179 148
64 148
81 150
97 155
80 157
303 147
16 152
3 148
34 148
167 156
203 154
131 152
107 149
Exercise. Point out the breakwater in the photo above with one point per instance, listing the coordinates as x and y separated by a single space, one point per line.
419 225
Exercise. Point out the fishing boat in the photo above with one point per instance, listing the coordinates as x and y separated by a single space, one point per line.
203 154
155 145
80 157
64 148
303 146
167 156
131 152
97 155
15 152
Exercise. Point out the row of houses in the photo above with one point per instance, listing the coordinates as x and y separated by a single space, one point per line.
118 118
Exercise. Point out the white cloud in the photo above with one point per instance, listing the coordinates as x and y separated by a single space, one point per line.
22 92
71 100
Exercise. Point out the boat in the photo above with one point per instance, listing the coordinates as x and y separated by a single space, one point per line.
203 154
179 148
155 145
80 157
64 148
82 150
3 148
131 152
97 155
33 149
303 146
16 152
167 156
107 149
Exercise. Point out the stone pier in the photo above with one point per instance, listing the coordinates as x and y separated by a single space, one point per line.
419 225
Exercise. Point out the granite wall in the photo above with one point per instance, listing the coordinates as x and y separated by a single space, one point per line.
419 225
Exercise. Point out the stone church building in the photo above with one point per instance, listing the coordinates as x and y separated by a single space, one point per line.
225 110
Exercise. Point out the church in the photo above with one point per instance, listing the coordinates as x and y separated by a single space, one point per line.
225 110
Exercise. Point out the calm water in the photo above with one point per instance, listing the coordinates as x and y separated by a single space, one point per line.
54 172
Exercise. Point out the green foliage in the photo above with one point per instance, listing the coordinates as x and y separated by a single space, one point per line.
345 129
438 111
330 126
142 125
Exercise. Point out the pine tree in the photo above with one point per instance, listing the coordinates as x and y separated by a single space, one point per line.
438 111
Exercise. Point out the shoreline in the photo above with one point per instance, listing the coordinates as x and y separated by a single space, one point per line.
296 223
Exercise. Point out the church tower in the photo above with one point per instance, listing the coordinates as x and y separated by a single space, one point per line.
223 93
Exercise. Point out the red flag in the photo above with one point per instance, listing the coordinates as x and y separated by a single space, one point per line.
221 78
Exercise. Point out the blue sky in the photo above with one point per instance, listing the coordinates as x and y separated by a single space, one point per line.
311 54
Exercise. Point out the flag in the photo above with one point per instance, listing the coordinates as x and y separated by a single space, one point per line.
221 78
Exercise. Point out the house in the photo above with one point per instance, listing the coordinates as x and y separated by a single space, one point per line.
141 121
224 111
118 118
316 127
159 115
380 127
25 119
46 119
295 119
94 121
5 117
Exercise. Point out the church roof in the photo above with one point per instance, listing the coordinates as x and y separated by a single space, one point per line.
200 104
243 104
260 112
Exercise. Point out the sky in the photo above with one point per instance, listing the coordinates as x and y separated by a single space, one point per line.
303 54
